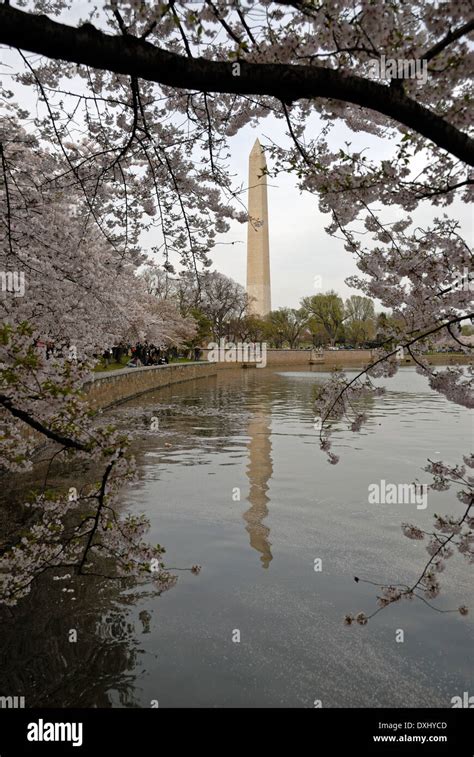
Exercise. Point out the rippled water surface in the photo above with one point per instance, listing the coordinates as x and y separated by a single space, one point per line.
234 481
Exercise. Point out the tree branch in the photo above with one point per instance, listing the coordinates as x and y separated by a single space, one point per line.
136 57
26 418
7 194
451 36
100 506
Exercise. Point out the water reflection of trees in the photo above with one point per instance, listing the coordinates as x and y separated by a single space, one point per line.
38 660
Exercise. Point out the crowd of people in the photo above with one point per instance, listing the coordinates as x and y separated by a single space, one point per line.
139 354
143 353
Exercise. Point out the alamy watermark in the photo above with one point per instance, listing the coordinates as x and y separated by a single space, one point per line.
385 493
464 281
242 352
13 282
44 731
464 701
318 282
399 68
12 703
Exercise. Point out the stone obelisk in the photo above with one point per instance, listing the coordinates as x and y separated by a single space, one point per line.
258 256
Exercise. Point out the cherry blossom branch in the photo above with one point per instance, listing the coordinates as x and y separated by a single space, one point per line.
90 201
394 592
101 502
451 36
53 435
181 30
443 545
406 345
415 359
7 194
455 337
136 57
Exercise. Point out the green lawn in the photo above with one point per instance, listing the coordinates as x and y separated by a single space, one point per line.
113 366
101 366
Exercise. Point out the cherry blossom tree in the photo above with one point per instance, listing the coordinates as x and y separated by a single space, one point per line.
78 294
217 297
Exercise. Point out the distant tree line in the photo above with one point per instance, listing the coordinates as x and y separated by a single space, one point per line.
220 309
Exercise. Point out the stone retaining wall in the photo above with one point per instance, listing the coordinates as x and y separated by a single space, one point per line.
112 387
342 358
303 357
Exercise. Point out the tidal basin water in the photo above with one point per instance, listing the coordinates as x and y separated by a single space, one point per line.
252 431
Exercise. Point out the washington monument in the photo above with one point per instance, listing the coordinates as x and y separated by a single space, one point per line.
258 256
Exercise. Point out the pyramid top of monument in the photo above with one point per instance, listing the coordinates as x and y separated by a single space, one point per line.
257 147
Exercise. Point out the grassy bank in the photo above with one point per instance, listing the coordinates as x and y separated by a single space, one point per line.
113 366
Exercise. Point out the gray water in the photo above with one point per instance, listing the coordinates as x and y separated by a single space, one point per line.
252 432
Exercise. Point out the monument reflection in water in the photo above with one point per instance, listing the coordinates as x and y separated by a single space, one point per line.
259 472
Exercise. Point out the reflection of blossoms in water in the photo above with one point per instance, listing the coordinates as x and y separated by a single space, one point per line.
145 618
97 671
66 537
